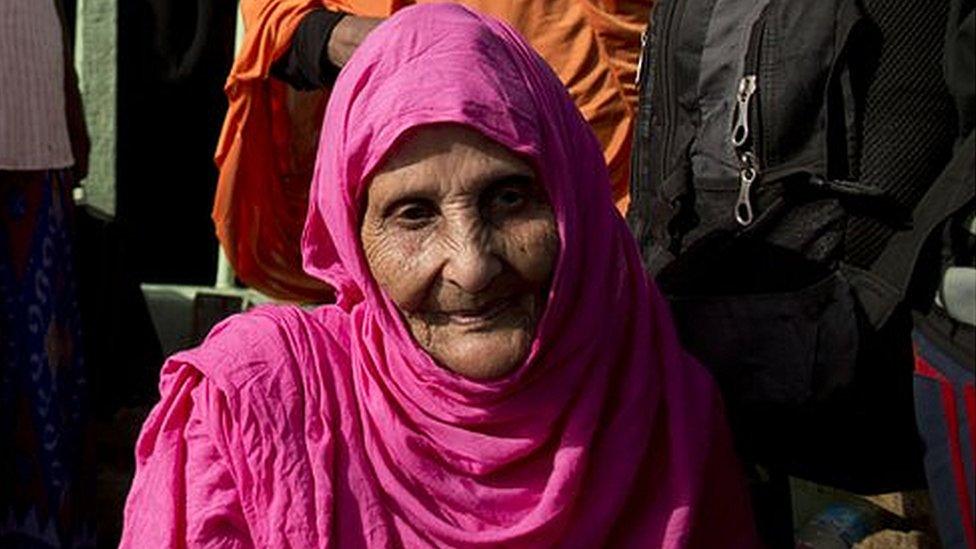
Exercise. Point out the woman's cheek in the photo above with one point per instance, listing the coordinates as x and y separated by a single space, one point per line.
532 248
407 261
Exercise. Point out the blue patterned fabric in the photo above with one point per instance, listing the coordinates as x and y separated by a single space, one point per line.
46 451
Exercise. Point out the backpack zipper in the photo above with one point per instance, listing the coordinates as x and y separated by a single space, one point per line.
743 98
640 58
667 110
745 136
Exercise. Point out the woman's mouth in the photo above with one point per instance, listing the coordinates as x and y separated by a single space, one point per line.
479 316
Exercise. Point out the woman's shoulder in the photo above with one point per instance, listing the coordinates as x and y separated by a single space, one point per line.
270 349
278 369
240 410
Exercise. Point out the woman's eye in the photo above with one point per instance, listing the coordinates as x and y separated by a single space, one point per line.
414 215
510 195
510 198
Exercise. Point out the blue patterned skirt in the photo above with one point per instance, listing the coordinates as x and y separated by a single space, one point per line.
46 447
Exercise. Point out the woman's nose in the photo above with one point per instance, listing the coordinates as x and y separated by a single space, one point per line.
472 266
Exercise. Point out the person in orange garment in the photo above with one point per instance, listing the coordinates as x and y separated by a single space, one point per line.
267 146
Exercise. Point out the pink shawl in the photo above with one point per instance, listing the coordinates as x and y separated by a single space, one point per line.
333 428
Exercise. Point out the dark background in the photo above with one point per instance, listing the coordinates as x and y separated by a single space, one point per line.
173 58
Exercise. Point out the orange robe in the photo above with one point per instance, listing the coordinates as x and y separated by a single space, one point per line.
267 147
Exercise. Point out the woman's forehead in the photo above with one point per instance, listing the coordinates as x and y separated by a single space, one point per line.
444 143
446 154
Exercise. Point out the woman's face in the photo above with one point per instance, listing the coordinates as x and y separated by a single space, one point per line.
462 238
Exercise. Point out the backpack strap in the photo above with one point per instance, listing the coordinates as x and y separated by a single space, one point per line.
885 284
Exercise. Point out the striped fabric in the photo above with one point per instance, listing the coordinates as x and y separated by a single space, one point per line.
33 127
945 409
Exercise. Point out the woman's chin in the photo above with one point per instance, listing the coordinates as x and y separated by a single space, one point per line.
484 355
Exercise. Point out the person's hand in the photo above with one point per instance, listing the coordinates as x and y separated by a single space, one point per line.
347 35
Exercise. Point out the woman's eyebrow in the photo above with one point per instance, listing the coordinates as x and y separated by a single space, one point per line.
505 174
417 183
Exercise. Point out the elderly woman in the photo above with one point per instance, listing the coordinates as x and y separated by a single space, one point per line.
498 370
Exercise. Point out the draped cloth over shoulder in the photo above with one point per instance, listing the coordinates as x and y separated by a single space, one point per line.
266 148
333 428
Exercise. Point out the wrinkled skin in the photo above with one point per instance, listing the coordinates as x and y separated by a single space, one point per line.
462 238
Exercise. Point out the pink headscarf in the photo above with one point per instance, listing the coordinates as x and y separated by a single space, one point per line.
608 434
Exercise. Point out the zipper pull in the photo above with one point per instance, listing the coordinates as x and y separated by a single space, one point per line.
640 58
740 132
747 176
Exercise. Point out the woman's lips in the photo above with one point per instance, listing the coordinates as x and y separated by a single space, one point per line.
479 316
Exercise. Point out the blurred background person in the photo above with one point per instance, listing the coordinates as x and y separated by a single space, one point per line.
46 458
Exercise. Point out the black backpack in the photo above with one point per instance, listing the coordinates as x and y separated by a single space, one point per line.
779 147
